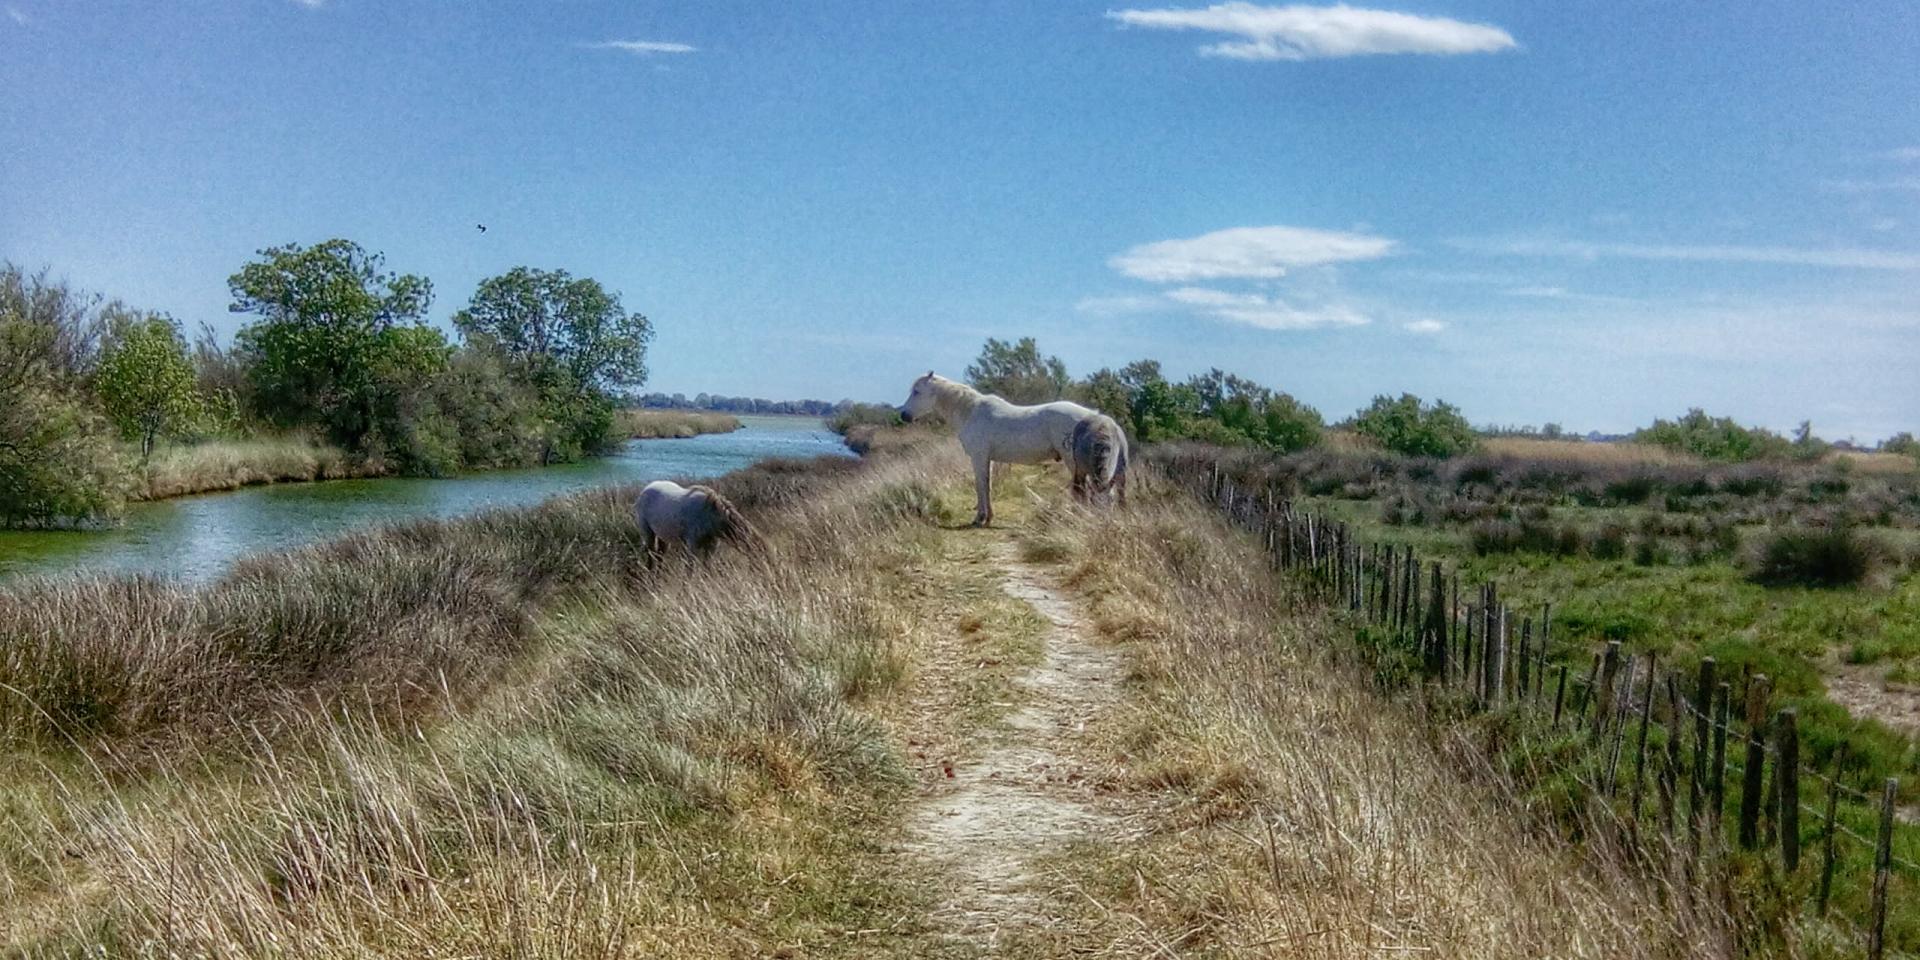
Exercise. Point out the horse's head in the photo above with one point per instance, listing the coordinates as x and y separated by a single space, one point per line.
920 400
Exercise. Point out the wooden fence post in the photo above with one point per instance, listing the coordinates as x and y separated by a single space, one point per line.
1882 868
1670 771
1786 746
1491 654
1753 781
1559 696
1615 743
1603 698
1826 839
1640 753
1717 785
1702 732
1434 633
1526 658
1585 692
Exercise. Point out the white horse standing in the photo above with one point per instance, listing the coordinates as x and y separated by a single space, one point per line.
994 431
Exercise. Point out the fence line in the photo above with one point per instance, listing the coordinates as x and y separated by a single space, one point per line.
1477 650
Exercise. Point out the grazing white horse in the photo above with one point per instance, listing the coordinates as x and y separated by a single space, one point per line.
994 431
696 516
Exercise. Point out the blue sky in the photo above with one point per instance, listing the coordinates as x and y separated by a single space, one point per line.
1588 213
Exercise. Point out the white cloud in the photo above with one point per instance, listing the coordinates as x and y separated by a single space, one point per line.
1909 154
1428 326
1549 293
16 15
311 4
1855 258
1313 33
1264 312
642 47
1247 253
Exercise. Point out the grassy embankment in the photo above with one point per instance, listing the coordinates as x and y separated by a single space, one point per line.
1281 808
494 733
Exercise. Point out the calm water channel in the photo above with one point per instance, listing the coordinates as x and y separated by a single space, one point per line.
199 537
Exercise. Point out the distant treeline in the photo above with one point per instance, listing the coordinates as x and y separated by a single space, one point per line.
714 401
338 349
1225 408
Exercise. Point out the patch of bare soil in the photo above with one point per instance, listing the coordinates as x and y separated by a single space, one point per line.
1027 792
1865 692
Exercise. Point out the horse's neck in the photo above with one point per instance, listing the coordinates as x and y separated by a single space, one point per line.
958 401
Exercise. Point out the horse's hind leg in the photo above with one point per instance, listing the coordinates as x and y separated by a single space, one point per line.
983 491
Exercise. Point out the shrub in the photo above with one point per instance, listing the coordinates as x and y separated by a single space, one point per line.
1414 428
863 414
1837 556
1715 438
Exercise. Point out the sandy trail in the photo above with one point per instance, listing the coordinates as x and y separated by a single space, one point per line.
1028 793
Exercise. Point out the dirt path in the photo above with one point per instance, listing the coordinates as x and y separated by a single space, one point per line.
1027 793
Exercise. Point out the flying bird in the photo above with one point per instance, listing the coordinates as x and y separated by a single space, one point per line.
482 226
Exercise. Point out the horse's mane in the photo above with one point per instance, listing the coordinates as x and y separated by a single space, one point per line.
952 394
728 522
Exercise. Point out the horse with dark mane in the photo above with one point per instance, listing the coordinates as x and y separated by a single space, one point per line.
697 516
992 430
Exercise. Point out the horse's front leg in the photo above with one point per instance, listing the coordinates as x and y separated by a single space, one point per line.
982 491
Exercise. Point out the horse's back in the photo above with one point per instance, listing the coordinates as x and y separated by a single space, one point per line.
1012 433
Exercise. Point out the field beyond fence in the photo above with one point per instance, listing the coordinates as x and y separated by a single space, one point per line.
1696 774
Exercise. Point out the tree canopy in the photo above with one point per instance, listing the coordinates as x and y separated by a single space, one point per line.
1018 373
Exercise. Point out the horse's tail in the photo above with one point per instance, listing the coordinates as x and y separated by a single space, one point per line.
730 524
1106 451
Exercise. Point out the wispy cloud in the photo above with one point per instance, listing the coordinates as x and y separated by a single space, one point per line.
1118 306
1855 258
311 4
1266 312
1871 186
17 15
1903 154
1314 33
1245 253
1426 326
642 47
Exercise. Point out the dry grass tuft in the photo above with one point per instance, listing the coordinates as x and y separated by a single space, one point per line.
1585 452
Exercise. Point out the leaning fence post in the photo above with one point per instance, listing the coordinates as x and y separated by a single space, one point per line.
1786 739
1526 658
1882 867
1670 771
1702 730
1753 780
1826 839
1640 752
1603 698
1717 786
1559 696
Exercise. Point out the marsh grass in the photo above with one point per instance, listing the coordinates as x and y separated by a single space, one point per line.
184 469
672 424
496 734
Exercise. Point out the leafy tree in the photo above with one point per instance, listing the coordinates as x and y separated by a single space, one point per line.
1806 446
551 324
570 340
1018 373
57 461
1411 427
1714 438
326 313
1901 442
146 382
